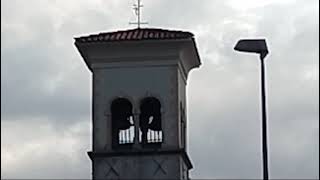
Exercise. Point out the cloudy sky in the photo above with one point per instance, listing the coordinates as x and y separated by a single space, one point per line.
46 86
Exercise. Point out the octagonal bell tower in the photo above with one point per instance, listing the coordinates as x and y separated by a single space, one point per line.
139 102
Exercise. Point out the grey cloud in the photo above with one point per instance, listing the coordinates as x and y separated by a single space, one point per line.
47 83
51 152
293 103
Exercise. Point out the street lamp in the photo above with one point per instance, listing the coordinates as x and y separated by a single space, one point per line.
259 46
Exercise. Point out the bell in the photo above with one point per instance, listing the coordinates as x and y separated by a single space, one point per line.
121 121
155 125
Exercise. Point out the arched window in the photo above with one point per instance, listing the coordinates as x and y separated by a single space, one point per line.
150 121
122 122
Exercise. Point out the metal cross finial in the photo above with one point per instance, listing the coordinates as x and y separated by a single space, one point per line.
137 11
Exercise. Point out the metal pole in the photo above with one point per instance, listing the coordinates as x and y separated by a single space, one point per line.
264 123
139 13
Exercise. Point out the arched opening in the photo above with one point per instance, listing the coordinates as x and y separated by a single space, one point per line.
122 122
150 121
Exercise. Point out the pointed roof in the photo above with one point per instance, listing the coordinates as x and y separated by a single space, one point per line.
135 35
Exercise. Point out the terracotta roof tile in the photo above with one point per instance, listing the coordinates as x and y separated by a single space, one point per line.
134 35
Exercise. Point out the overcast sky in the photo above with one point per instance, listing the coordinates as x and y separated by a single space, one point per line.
46 86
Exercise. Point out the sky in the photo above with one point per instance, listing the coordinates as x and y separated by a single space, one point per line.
46 86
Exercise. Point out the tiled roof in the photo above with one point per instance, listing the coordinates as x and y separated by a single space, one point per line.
134 35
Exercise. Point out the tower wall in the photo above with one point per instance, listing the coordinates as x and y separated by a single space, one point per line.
134 83
155 166
132 65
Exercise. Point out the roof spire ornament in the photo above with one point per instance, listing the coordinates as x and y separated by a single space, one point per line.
137 11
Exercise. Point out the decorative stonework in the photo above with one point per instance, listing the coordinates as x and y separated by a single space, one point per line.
159 165
112 171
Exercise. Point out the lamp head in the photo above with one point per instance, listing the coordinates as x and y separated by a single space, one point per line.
252 46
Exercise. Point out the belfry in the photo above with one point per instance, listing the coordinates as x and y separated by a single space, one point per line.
139 115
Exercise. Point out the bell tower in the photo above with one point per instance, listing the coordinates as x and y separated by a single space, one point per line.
139 102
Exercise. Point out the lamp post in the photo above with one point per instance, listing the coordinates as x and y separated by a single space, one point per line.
259 46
